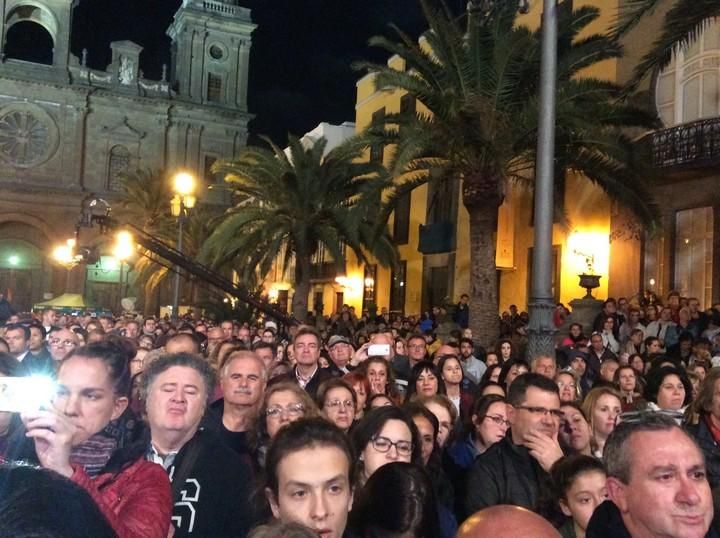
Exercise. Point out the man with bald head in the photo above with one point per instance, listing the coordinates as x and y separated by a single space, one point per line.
215 337
243 379
506 521
182 343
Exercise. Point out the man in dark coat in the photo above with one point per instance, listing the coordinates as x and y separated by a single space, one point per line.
515 470
211 484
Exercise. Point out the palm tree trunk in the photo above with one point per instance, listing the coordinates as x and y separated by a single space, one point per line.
302 288
482 203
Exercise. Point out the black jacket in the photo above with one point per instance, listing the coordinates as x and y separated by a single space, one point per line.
401 367
710 449
505 474
321 374
41 364
607 522
215 499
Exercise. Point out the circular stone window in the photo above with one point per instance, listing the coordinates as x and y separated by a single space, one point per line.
28 135
217 52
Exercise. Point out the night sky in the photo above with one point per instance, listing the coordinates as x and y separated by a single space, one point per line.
302 51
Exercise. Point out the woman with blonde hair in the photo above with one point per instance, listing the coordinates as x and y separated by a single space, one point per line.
601 407
284 402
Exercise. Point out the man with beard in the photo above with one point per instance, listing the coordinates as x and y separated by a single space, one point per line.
473 367
515 470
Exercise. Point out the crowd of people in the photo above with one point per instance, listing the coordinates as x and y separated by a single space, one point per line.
378 426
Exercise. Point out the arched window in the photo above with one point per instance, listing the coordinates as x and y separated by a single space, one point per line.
29 41
689 88
118 164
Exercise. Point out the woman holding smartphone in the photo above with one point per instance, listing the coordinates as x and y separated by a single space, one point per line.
93 384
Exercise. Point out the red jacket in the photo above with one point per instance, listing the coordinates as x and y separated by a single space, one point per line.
137 501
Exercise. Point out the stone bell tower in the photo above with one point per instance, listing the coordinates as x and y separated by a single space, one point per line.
210 52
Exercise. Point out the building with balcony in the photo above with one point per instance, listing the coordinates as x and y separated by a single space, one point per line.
431 225
67 130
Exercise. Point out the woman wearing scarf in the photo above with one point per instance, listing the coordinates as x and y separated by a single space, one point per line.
70 438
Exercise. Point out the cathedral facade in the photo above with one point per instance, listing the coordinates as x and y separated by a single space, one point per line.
67 130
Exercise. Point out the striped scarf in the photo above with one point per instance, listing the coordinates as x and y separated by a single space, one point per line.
93 454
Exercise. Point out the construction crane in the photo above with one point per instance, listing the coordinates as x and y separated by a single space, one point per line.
96 212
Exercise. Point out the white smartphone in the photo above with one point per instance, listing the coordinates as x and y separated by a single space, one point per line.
26 394
378 350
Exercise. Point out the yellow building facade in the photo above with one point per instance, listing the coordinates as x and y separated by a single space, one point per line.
431 226
430 279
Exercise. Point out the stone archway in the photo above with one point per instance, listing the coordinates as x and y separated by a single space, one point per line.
31 32
26 274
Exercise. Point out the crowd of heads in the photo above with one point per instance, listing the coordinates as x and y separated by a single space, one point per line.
380 424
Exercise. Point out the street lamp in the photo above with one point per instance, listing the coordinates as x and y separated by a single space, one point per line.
65 255
122 250
184 185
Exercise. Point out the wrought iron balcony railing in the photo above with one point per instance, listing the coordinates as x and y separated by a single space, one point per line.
687 146
323 271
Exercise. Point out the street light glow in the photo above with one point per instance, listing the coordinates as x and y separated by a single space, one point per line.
124 245
14 259
184 183
63 254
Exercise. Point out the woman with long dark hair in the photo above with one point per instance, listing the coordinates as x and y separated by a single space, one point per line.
398 500
385 435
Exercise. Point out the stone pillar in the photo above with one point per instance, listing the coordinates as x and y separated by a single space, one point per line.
243 67
584 312
79 122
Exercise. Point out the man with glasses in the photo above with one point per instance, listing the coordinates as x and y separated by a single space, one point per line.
515 470
61 342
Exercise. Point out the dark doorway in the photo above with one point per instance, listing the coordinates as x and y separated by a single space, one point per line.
27 40
436 287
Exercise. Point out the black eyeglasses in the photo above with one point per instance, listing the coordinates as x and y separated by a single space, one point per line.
497 419
383 444
556 413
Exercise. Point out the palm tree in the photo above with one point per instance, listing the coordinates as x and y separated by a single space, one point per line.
682 24
291 205
145 199
145 202
477 81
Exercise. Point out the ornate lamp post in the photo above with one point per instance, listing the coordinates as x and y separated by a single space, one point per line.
66 256
123 250
184 185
